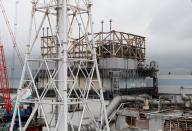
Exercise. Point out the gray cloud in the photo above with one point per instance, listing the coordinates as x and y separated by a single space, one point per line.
165 23
169 34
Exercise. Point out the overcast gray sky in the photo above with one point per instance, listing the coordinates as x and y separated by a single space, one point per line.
166 24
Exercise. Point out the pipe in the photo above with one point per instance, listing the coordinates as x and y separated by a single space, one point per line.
114 104
185 97
187 100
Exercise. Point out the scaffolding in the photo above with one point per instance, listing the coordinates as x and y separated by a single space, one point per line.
178 124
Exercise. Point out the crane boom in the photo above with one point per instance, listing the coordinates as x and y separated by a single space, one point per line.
4 80
11 33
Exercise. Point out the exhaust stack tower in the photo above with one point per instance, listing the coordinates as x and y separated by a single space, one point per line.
73 17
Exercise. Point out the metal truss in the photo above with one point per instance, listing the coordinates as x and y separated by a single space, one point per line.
112 44
73 18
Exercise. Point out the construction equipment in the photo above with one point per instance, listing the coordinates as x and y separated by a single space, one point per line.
5 118
11 32
4 80
3 67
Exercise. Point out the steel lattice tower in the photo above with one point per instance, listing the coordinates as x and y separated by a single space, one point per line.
73 20
4 81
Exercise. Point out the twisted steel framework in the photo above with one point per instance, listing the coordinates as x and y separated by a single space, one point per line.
112 44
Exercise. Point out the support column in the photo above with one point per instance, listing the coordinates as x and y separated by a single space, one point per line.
62 75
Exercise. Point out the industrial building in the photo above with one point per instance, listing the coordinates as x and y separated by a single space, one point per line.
121 62
138 96
89 81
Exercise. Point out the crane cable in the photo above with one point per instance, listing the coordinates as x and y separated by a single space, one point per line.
11 33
